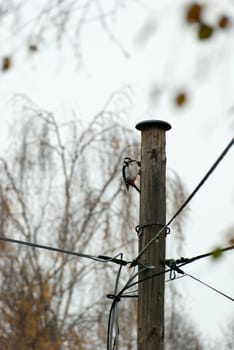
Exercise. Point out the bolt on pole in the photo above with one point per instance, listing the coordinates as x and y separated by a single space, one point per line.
150 333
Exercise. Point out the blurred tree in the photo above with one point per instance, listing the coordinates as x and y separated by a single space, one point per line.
61 185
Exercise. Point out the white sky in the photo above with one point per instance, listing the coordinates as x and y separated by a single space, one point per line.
170 59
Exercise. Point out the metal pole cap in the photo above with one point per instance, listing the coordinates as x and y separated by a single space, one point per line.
152 123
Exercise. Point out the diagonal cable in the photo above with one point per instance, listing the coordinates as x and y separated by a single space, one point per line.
99 258
208 286
184 261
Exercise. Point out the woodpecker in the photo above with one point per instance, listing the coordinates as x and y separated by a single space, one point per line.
130 170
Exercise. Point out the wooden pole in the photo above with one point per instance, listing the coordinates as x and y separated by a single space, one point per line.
152 219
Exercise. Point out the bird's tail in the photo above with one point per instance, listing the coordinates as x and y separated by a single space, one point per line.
138 190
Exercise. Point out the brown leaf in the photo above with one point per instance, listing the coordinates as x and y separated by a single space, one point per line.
205 31
6 63
230 235
181 99
193 13
223 22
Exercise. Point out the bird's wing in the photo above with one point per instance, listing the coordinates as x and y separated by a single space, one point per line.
124 176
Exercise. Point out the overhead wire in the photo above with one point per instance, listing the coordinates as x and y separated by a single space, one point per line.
193 193
98 258
113 316
209 286
173 267
116 298
176 266
184 261
129 285
123 294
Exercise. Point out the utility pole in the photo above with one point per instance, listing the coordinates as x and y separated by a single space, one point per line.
152 219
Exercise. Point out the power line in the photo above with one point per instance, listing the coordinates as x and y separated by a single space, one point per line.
184 261
193 193
113 316
173 267
110 324
102 258
208 286
129 285
99 258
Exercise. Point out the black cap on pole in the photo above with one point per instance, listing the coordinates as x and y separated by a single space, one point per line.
146 124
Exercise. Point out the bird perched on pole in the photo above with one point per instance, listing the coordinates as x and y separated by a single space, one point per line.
130 170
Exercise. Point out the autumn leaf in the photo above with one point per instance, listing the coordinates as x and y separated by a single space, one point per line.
193 13
205 31
6 63
223 22
181 99
230 235
216 254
